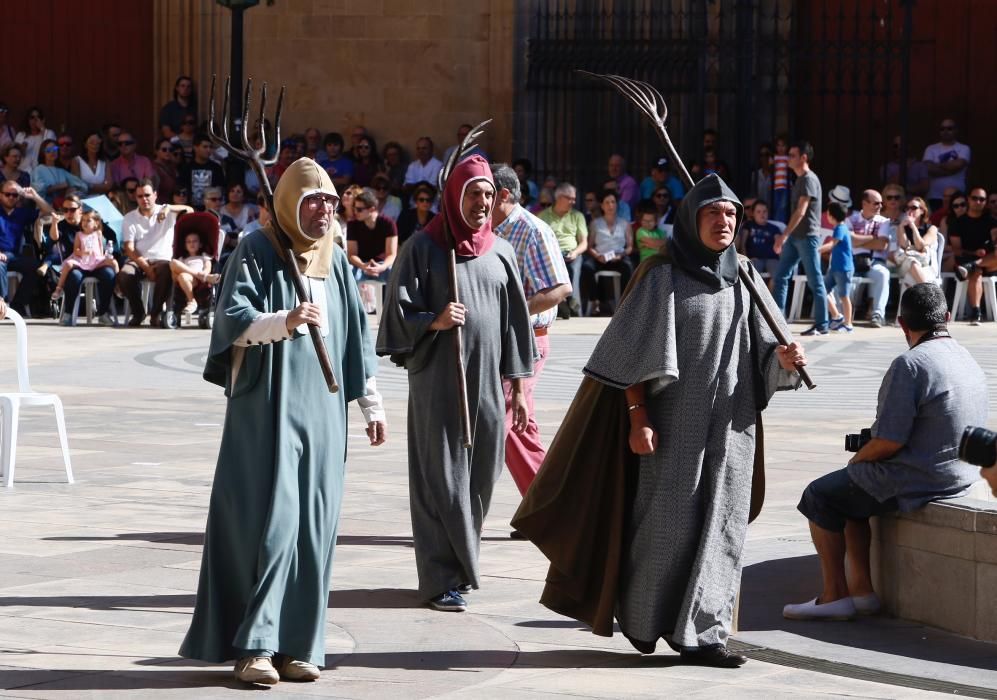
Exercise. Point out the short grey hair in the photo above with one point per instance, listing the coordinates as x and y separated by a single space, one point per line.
210 191
507 179
565 189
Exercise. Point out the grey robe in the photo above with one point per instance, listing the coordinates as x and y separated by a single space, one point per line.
695 346
450 488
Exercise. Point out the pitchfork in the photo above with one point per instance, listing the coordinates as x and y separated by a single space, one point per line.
462 149
254 156
652 105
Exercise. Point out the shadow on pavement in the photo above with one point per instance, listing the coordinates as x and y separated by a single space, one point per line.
191 538
375 598
767 586
470 659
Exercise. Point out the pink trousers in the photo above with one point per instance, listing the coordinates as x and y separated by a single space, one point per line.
524 452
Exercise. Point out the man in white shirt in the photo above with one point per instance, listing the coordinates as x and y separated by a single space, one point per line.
873 239
947 163
425 168
148 245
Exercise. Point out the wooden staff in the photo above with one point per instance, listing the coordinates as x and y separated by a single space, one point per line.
254 156
458 153
650 102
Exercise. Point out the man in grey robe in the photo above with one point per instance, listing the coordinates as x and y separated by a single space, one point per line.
450 487
271 532
697 364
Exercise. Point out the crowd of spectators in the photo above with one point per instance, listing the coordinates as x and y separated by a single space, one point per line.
895 232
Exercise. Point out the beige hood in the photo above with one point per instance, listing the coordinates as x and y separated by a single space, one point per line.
304 177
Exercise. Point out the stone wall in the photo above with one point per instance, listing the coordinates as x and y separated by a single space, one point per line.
403 69
938 565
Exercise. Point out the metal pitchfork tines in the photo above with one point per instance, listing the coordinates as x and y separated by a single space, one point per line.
254 156
652 105
462 149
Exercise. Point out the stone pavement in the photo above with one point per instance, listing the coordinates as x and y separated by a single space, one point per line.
97 579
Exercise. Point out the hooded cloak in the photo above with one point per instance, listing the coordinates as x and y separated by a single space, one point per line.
468 242
274 509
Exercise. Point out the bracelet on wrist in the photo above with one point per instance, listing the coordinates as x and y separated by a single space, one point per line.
634 407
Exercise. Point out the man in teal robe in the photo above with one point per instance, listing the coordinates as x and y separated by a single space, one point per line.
278 485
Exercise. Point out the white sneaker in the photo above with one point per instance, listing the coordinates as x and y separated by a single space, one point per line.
291 670
867 604
256 669
843 609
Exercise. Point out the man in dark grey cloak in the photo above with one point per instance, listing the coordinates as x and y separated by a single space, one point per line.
264 586
450 486
698 364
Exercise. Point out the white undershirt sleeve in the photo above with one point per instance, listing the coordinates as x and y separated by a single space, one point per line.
371 403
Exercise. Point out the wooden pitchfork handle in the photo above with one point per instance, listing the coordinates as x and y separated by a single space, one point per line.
465 412
254 156
650 102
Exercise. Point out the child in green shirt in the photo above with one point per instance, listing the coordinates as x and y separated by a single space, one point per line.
649 236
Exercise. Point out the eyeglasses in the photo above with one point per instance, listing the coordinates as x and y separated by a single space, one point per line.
320 200
9 194
977 199
51 149
892 197
125 142
564 196
69 209
420 200
959 205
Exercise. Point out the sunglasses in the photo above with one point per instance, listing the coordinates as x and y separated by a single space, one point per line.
9 194
69 209
977 199
892 197
420 200
126 143
166 150
959 205
913 207
359 210
51 149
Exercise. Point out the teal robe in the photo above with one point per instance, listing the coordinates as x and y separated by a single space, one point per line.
278 484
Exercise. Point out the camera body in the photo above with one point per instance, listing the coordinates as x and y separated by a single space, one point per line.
978 446
856 441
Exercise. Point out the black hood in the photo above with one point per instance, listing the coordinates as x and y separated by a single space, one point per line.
687 250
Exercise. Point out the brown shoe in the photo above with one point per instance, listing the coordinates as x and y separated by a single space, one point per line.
256 669
300 671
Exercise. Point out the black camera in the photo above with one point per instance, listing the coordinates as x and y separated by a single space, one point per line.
855 442
978 446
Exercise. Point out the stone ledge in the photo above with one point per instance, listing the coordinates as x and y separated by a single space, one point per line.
938 565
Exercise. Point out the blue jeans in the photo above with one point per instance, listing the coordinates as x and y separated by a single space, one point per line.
797 250
105 288
575 270
26 265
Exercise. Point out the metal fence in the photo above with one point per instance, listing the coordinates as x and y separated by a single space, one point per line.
831 71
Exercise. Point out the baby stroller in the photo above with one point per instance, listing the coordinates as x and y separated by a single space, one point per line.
205 225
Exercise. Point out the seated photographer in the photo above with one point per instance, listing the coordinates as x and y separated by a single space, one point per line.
929 394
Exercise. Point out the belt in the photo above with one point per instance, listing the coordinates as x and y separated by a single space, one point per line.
539 332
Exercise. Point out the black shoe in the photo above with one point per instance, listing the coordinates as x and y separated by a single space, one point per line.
516 535
136 320
975 316
717 656
814 330
448 601
962 272
465 588
642 647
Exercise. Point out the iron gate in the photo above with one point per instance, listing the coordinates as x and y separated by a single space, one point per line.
831 71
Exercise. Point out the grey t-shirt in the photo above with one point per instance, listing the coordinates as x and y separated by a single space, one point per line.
927 398
807 185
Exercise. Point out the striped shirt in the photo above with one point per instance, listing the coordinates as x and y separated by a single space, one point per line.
541 265
780 172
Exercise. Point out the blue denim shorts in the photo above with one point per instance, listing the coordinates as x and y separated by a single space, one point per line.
840 282
834 498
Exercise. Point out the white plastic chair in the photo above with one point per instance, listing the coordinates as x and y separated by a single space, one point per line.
10 407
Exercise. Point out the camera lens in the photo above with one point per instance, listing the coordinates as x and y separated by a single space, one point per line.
978 446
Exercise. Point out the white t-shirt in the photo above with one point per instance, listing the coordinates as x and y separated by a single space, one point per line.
940 153
417 172
153 239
